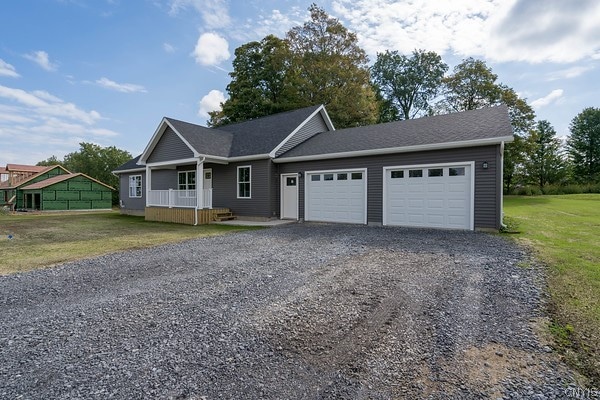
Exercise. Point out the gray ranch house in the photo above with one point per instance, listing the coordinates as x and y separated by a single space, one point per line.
442 171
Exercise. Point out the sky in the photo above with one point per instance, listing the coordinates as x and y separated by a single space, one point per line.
107 71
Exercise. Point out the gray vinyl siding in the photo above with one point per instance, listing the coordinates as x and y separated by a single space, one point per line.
163 179
261 190
170 147
488 187
132 203
313 126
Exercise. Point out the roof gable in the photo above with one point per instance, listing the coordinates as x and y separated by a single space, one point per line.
470 127
160 131
39 176
265 134
61 178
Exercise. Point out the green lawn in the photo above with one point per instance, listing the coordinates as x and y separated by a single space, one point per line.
565 233
33 241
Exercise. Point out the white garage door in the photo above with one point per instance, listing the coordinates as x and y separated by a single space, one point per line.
336 196
438 196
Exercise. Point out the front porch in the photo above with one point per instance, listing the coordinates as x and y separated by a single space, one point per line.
188 216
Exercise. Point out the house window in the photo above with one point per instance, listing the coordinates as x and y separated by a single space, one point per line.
186 180
243 182
135 186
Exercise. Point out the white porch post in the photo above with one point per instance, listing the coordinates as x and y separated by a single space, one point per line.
200 184
148 183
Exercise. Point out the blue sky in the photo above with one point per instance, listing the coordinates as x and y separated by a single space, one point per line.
107 71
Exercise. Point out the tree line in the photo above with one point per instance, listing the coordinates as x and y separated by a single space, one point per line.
321 62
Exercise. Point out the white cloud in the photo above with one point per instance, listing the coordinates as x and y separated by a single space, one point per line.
276 23
551 97
569 73
215 13
40 124
499 30
168 48
41 58
211 102
211 49
44 104
120 87
7 70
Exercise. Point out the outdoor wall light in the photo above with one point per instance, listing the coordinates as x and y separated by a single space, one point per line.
485 165
299 174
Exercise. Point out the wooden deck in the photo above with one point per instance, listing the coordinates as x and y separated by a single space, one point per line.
183 215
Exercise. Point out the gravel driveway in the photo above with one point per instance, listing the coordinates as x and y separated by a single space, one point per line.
303 311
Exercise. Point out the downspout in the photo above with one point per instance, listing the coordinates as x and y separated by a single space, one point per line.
502 224
202 193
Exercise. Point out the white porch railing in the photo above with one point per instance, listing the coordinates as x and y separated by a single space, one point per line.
178 198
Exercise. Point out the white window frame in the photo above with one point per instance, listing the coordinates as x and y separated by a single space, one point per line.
238 182
138 178
187 183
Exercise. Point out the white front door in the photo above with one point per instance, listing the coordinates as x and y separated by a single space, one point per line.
289 196
208 178
207 185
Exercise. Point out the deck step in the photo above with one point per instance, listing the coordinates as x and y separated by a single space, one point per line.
224 216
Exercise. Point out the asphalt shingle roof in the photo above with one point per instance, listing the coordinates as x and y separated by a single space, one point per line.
262 135
205 140
485 123
131 164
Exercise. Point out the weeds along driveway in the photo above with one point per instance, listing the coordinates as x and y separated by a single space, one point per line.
302 311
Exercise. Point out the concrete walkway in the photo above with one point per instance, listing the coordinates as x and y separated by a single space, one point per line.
245 222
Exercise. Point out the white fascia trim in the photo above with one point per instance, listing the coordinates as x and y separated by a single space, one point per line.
156 137
126 171
248 158
320 110
173 162
328 121
392 150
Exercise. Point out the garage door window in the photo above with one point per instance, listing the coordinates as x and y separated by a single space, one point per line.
328 177
315 178
456 171
342 177
415 173
397 174
435 172
356 175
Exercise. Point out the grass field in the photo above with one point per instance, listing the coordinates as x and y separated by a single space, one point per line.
33 241
565 233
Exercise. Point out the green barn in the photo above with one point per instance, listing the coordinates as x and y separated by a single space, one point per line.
60 190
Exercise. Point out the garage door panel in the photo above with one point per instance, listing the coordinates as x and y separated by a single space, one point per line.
441 201
340 199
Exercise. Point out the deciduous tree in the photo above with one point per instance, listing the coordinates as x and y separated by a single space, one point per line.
544 163
409 83
584 145
332 69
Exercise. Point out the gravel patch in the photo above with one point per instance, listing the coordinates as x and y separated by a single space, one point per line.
305 311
